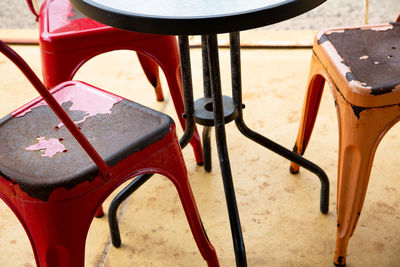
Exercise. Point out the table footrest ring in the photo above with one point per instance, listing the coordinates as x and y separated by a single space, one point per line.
204 114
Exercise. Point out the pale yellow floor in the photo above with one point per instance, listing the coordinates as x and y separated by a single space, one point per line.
281 222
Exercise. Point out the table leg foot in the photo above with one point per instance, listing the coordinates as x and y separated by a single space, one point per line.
282 151
117 201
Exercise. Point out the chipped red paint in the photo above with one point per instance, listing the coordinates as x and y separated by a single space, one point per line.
51 146
80 102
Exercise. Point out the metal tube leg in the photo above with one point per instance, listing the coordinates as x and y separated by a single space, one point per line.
236 231
187 89
207 148
207 93
256 137
112 210
189 109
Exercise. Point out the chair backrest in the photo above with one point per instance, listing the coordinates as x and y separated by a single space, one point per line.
32 4
57 109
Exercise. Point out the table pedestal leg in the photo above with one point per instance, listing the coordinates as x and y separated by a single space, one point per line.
219 125
187 136
207 94
280 150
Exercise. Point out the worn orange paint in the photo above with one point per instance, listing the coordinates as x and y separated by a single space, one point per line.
363 118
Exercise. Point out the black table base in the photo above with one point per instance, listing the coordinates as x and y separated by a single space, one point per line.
212 91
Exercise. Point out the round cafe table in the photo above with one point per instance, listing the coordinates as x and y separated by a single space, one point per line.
207 18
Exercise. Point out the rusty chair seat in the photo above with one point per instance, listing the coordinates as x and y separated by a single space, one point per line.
33 138
362 68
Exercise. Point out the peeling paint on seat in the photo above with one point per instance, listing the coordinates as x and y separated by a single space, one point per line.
88 103
50 146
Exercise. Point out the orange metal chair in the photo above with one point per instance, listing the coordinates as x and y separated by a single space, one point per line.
362 68
55 176
68 39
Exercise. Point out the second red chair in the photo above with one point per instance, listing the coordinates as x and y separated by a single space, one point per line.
68 39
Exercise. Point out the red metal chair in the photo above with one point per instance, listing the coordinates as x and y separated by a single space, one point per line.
55 174
68 39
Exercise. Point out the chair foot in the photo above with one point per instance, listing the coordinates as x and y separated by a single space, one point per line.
339 261
294 168
159 92
99 212
338 265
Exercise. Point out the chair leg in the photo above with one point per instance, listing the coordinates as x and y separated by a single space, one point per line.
57 230
179 178
310 110
150 69
99 212
359 136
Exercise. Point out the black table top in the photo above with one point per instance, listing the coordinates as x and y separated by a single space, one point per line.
191 17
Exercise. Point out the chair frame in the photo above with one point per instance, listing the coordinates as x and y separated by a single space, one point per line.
57 237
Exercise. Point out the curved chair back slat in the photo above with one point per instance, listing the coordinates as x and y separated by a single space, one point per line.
55 106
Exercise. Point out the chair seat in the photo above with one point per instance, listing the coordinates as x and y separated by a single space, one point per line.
34 139
63 18
368 60
62 26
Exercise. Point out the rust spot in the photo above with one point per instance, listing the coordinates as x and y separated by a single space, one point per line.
357 110
340 260
382 90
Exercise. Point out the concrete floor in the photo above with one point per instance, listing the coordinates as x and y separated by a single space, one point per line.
280 216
